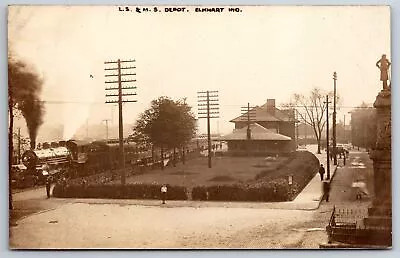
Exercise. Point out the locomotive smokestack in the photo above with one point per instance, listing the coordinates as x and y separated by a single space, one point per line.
33 113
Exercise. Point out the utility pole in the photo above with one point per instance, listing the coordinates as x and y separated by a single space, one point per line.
19 145
210 110
305 131
109 156
106 120
297 126
328 169
249 112
122 77
344 128
87 128
334 119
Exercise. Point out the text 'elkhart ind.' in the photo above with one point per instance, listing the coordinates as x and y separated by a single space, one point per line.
175 9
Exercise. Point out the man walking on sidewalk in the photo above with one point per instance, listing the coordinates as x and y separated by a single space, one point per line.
321 172
326 186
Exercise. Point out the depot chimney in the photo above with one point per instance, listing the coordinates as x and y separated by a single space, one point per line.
271 106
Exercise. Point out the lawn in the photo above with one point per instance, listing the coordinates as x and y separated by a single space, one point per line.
229 179
224 171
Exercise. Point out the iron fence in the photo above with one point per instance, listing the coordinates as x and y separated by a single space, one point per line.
348 226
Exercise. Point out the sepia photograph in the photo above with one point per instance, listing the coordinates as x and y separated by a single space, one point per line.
199 127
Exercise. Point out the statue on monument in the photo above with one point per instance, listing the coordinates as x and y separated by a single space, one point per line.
383 64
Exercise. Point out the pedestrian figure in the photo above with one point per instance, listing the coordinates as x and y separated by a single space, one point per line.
63 182
48 185
327 188
321 171
163 193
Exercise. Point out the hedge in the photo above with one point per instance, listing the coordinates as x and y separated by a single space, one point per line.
268 193
301 165
129 191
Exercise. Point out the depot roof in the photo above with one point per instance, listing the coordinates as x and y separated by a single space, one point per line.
258 133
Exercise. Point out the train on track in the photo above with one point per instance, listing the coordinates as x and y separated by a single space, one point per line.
77 158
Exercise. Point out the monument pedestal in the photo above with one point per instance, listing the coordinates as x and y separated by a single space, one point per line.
380 214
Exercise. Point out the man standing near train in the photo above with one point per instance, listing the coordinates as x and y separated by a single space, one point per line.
48 185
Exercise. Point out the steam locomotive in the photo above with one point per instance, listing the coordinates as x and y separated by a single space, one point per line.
76 158
50 160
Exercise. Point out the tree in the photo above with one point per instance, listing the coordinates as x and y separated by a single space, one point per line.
166 124
315 111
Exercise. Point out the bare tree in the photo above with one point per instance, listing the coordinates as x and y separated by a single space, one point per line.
315 110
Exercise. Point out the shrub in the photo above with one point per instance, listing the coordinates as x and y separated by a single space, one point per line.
199 193
301 165
130 191
265 193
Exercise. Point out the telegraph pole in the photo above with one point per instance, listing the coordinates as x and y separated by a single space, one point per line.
211 110
305 131
297 126
328 169
87 128
19 145
106 120
109 156
249 112
122 77
344 128
334 119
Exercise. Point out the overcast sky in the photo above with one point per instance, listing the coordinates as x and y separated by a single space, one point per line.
250 56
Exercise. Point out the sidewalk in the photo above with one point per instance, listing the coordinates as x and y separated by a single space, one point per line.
311 195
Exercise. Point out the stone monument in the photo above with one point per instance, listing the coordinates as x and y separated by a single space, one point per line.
380 214
376 229
381 154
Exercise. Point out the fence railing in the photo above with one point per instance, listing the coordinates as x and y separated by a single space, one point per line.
347 226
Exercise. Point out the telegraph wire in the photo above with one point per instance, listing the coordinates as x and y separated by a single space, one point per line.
102 102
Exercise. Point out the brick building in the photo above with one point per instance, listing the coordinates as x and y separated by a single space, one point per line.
272 131
260 141
281 121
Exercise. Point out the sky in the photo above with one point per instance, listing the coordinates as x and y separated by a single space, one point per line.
260 53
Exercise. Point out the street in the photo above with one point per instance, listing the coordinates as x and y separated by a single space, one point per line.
68 223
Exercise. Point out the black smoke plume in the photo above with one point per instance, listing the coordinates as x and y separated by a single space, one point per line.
25 87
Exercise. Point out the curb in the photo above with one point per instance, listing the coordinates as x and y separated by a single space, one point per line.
330 181
26 216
